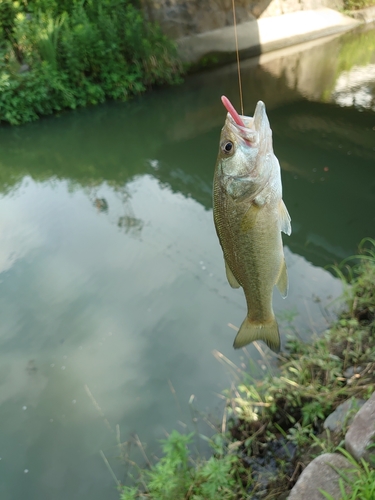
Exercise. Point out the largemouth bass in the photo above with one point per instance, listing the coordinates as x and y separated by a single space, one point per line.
249 215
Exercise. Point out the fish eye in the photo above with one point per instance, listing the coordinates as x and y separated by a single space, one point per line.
228 147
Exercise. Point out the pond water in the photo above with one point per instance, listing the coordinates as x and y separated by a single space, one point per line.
113 296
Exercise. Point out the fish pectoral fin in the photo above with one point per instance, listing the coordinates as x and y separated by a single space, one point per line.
267 332
282 281
249 219
230 277
284 217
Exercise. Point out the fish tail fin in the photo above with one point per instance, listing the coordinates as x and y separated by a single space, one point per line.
249 332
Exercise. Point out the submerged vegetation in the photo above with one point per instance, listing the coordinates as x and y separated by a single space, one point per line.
276 424
58 54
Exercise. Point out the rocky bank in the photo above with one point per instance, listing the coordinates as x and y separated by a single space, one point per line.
323 473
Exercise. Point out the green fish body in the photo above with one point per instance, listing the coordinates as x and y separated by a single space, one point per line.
249 215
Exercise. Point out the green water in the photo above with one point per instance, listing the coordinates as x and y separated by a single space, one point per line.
113 294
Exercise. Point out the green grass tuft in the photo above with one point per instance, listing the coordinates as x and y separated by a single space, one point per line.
176 476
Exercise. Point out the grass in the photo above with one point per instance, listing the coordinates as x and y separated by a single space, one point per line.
350 5
275 425
177 476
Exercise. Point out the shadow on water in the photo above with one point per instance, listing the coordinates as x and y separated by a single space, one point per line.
112 288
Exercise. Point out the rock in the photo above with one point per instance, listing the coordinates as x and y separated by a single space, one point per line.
362 431
320 474
343 415
352 370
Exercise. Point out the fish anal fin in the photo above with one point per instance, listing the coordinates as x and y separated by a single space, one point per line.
282 281
268 332
284 217
230 277
249 219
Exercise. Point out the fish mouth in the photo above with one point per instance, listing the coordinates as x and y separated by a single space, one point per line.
241 126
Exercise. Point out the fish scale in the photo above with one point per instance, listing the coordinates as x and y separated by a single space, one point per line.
249 215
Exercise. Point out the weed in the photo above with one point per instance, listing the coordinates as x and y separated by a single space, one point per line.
177 476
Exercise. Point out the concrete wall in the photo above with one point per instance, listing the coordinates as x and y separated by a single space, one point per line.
180 18
279 7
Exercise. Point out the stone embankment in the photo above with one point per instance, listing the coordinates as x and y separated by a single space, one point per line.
205 35
263 35
323 473
180 18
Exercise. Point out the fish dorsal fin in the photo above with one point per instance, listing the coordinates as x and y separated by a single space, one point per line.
284 218
230 277
282 281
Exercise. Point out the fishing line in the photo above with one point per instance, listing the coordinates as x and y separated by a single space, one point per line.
238 57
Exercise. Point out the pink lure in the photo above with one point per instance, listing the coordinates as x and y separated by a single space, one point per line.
233 113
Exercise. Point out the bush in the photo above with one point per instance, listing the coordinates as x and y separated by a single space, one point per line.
66 54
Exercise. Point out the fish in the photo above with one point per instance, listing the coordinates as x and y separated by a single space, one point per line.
249 216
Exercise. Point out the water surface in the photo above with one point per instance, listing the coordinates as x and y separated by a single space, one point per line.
113 294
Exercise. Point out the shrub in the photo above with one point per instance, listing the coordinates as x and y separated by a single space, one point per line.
74 53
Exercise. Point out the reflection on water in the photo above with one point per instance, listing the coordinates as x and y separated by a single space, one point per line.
356 87
113 293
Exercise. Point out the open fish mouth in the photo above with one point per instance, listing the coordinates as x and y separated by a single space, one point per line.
240 125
